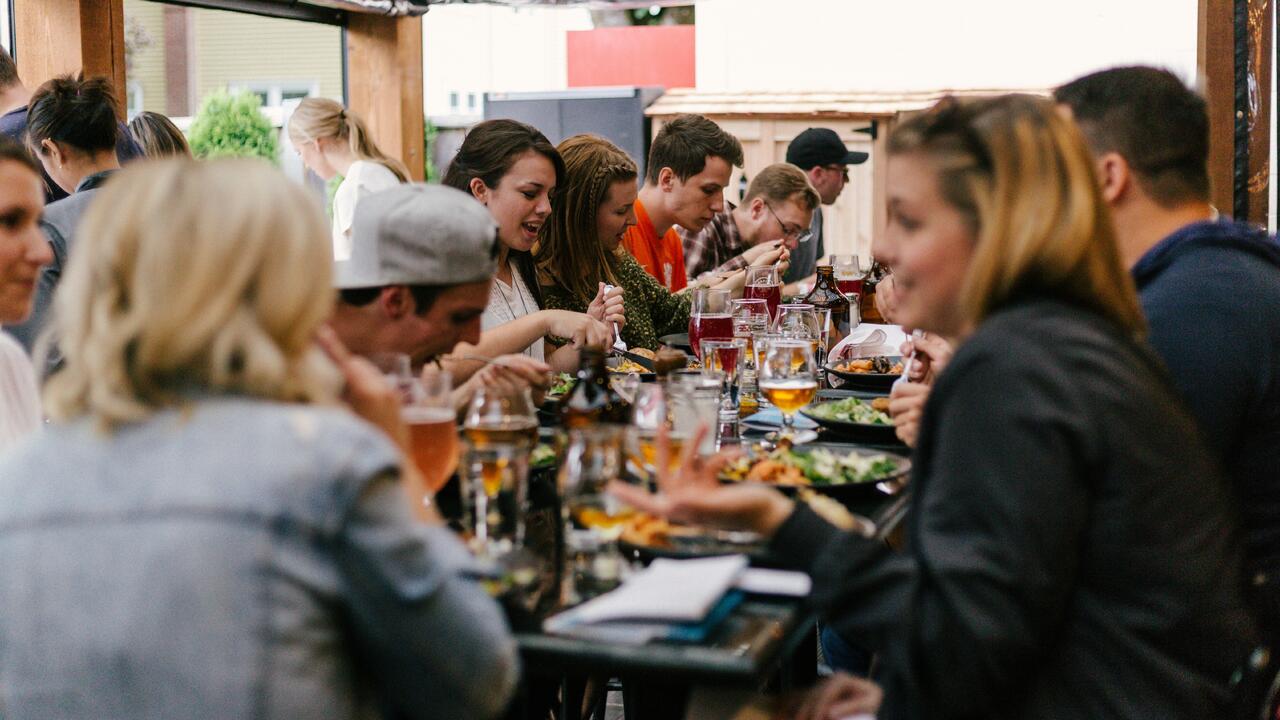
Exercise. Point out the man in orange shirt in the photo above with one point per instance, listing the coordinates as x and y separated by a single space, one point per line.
689 167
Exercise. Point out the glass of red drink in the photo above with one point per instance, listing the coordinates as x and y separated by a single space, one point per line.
709 318
764 282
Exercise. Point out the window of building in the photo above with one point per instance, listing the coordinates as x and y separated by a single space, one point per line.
453 102
471 102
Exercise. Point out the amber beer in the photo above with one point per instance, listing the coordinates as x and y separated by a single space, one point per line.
645 451
790 394
509 432
433 443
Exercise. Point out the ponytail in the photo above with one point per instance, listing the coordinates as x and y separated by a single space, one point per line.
316 118
365 148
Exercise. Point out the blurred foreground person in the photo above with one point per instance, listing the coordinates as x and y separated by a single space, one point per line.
158 136
1210 288
1071 551
204 532
23 251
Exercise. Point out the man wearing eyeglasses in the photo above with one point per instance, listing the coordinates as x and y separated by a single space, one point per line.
823 157
771 222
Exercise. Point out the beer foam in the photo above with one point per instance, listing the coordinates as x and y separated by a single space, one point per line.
426 415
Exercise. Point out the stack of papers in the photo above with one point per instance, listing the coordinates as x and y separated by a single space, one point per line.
673 599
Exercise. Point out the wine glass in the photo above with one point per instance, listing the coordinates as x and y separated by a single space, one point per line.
765 283
789 378
427 411
501 429
723 360
709 317
593 519
649 413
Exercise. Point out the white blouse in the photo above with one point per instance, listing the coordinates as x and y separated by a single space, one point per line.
19 397
509 302
363 178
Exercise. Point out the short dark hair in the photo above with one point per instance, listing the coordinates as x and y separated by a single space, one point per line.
73 111
8 70
491 148
1151 119
685 143
424 296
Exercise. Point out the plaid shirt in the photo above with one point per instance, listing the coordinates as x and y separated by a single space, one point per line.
717 248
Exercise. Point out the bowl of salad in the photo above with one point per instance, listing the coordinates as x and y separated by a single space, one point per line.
855 418
842 472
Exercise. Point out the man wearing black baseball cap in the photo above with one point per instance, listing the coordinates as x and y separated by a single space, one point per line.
822 155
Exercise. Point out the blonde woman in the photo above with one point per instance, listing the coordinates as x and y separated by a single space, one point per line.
204 531
333 141
1071 551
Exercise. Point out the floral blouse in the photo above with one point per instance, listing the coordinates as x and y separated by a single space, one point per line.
652 311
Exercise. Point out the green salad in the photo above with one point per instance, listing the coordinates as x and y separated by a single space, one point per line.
542 456
561 384
852 409
824 467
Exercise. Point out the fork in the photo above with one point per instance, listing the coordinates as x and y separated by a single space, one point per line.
618 342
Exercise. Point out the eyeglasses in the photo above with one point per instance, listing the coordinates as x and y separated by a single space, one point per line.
794 232
842 169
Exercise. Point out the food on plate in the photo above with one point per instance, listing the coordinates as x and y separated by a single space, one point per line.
646 531
880 364
853 410
561 384
817 467
628 366
542 456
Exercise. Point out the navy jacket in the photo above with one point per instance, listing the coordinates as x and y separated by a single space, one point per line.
1211 293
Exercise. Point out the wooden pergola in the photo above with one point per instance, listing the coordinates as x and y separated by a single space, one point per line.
384 74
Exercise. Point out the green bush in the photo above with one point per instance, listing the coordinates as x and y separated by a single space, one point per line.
233 125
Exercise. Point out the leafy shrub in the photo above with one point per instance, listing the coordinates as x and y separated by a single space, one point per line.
233 125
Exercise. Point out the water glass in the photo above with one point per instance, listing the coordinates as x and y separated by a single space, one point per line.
592 518
695 402
723 360
501 430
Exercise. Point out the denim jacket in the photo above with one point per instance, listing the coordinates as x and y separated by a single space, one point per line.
234 559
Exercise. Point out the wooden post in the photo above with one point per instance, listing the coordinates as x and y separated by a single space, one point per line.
384 83
56 37
1234 59
1216 63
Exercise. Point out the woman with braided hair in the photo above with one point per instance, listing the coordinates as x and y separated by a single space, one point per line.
333 142
579 249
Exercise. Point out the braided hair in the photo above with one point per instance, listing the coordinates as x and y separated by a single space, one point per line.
569 252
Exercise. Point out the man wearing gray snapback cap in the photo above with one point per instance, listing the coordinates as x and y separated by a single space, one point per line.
418 278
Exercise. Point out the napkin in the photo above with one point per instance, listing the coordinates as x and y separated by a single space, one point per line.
853 345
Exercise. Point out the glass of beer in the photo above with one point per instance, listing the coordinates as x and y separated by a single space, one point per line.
789 377
433 432
649 413
501 430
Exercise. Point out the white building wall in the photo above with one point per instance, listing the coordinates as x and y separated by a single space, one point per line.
890 45
473 49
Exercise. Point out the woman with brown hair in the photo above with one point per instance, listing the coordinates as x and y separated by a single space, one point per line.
580 248
158 136
514 171
333 141
1071 551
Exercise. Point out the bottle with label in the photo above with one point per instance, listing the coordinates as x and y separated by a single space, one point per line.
592 399
826 295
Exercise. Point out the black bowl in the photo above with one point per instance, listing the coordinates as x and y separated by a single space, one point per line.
853 495
878 382
679 341
855 432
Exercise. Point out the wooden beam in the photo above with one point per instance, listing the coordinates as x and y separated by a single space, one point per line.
57 37
1216 65
384 83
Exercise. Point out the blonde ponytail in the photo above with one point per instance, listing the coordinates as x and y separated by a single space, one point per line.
317 118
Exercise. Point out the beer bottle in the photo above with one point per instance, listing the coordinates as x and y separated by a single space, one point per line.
826 295
592 399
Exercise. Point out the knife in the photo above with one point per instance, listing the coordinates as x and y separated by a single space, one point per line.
640 360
